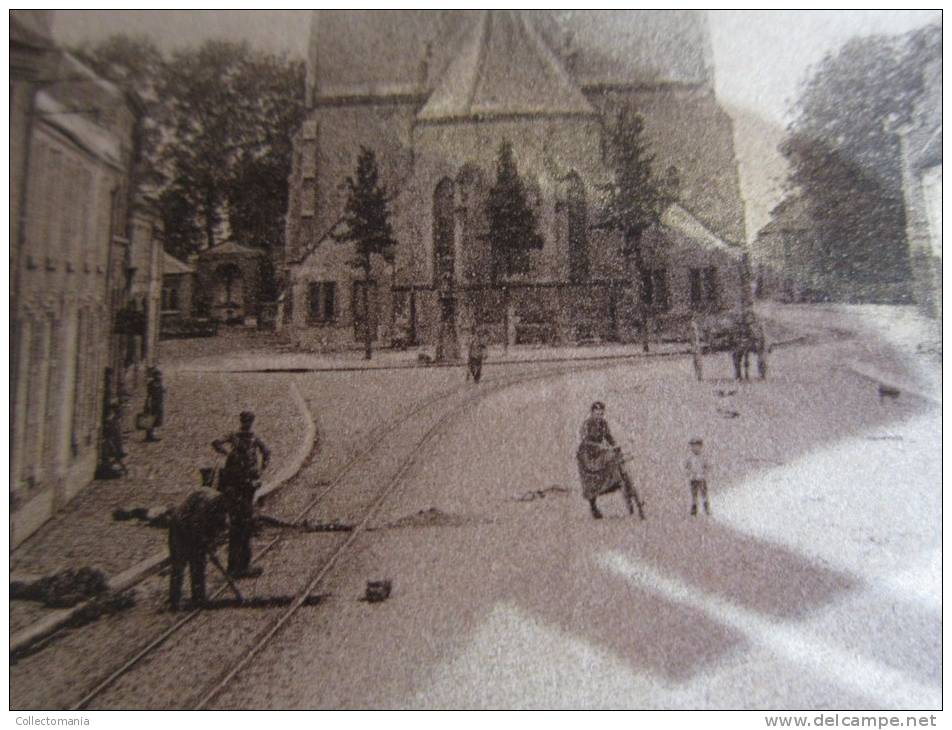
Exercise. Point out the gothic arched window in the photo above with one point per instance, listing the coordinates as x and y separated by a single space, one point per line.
444 233
476 261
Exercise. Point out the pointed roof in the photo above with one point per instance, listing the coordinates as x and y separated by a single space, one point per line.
679 219
231 248
172 265
504 68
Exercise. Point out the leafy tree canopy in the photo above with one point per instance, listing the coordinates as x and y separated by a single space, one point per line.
844 159
216 140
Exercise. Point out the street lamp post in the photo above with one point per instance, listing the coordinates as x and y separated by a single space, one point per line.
447 346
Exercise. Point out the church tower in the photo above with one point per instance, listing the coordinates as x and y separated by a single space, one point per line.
436 94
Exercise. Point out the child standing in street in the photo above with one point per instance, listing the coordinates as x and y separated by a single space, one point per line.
697 470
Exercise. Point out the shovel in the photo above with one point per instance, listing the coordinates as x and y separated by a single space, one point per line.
231 584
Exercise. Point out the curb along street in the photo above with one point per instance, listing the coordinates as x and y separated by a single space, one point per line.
27 637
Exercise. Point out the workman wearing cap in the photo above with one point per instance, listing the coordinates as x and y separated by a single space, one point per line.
194 527
239 480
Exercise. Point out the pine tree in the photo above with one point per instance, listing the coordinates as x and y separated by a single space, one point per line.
513 224
366 224
636 198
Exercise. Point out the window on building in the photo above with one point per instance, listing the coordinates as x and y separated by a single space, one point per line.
170 299
321 302
307 199
72 215
654 289
51 244
86 218
704 293
309 162
79 374
38 216
330 294
517 261
289 304
364 308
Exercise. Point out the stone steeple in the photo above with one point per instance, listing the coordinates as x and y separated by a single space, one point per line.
504 68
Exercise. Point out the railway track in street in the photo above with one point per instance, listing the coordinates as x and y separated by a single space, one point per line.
175 673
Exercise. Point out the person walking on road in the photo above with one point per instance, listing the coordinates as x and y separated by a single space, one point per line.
761 348
154 403
697 468
193 530
477 353
239 479
697 349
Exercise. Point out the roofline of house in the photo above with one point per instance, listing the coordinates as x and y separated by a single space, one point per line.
409 96
491 117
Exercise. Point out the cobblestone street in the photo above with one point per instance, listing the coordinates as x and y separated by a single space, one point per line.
484 542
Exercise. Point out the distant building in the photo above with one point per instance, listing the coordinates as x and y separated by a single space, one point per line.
435 94
229 282
71 261
784 255
178 283
921 160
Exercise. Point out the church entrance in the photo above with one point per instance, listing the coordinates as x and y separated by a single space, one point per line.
228 294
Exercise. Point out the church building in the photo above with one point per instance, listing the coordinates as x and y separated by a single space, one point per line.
435 94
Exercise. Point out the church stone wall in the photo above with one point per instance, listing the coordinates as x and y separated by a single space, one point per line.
326 151
684 124
687 128
545 150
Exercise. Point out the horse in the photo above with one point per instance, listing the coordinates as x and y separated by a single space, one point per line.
746 338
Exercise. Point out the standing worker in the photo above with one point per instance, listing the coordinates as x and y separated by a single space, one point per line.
239 480
193 529
154 403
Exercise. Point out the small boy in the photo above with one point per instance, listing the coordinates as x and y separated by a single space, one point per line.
697 469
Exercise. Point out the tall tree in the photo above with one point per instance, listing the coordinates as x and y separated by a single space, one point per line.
844 159
209 122
513 223
366 225
257 195
636 198
135 64
214 140
178 216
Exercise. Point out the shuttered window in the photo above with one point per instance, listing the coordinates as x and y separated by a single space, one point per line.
321 302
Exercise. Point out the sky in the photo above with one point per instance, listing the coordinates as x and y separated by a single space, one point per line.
760 58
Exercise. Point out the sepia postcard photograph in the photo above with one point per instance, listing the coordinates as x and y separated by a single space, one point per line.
486 359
